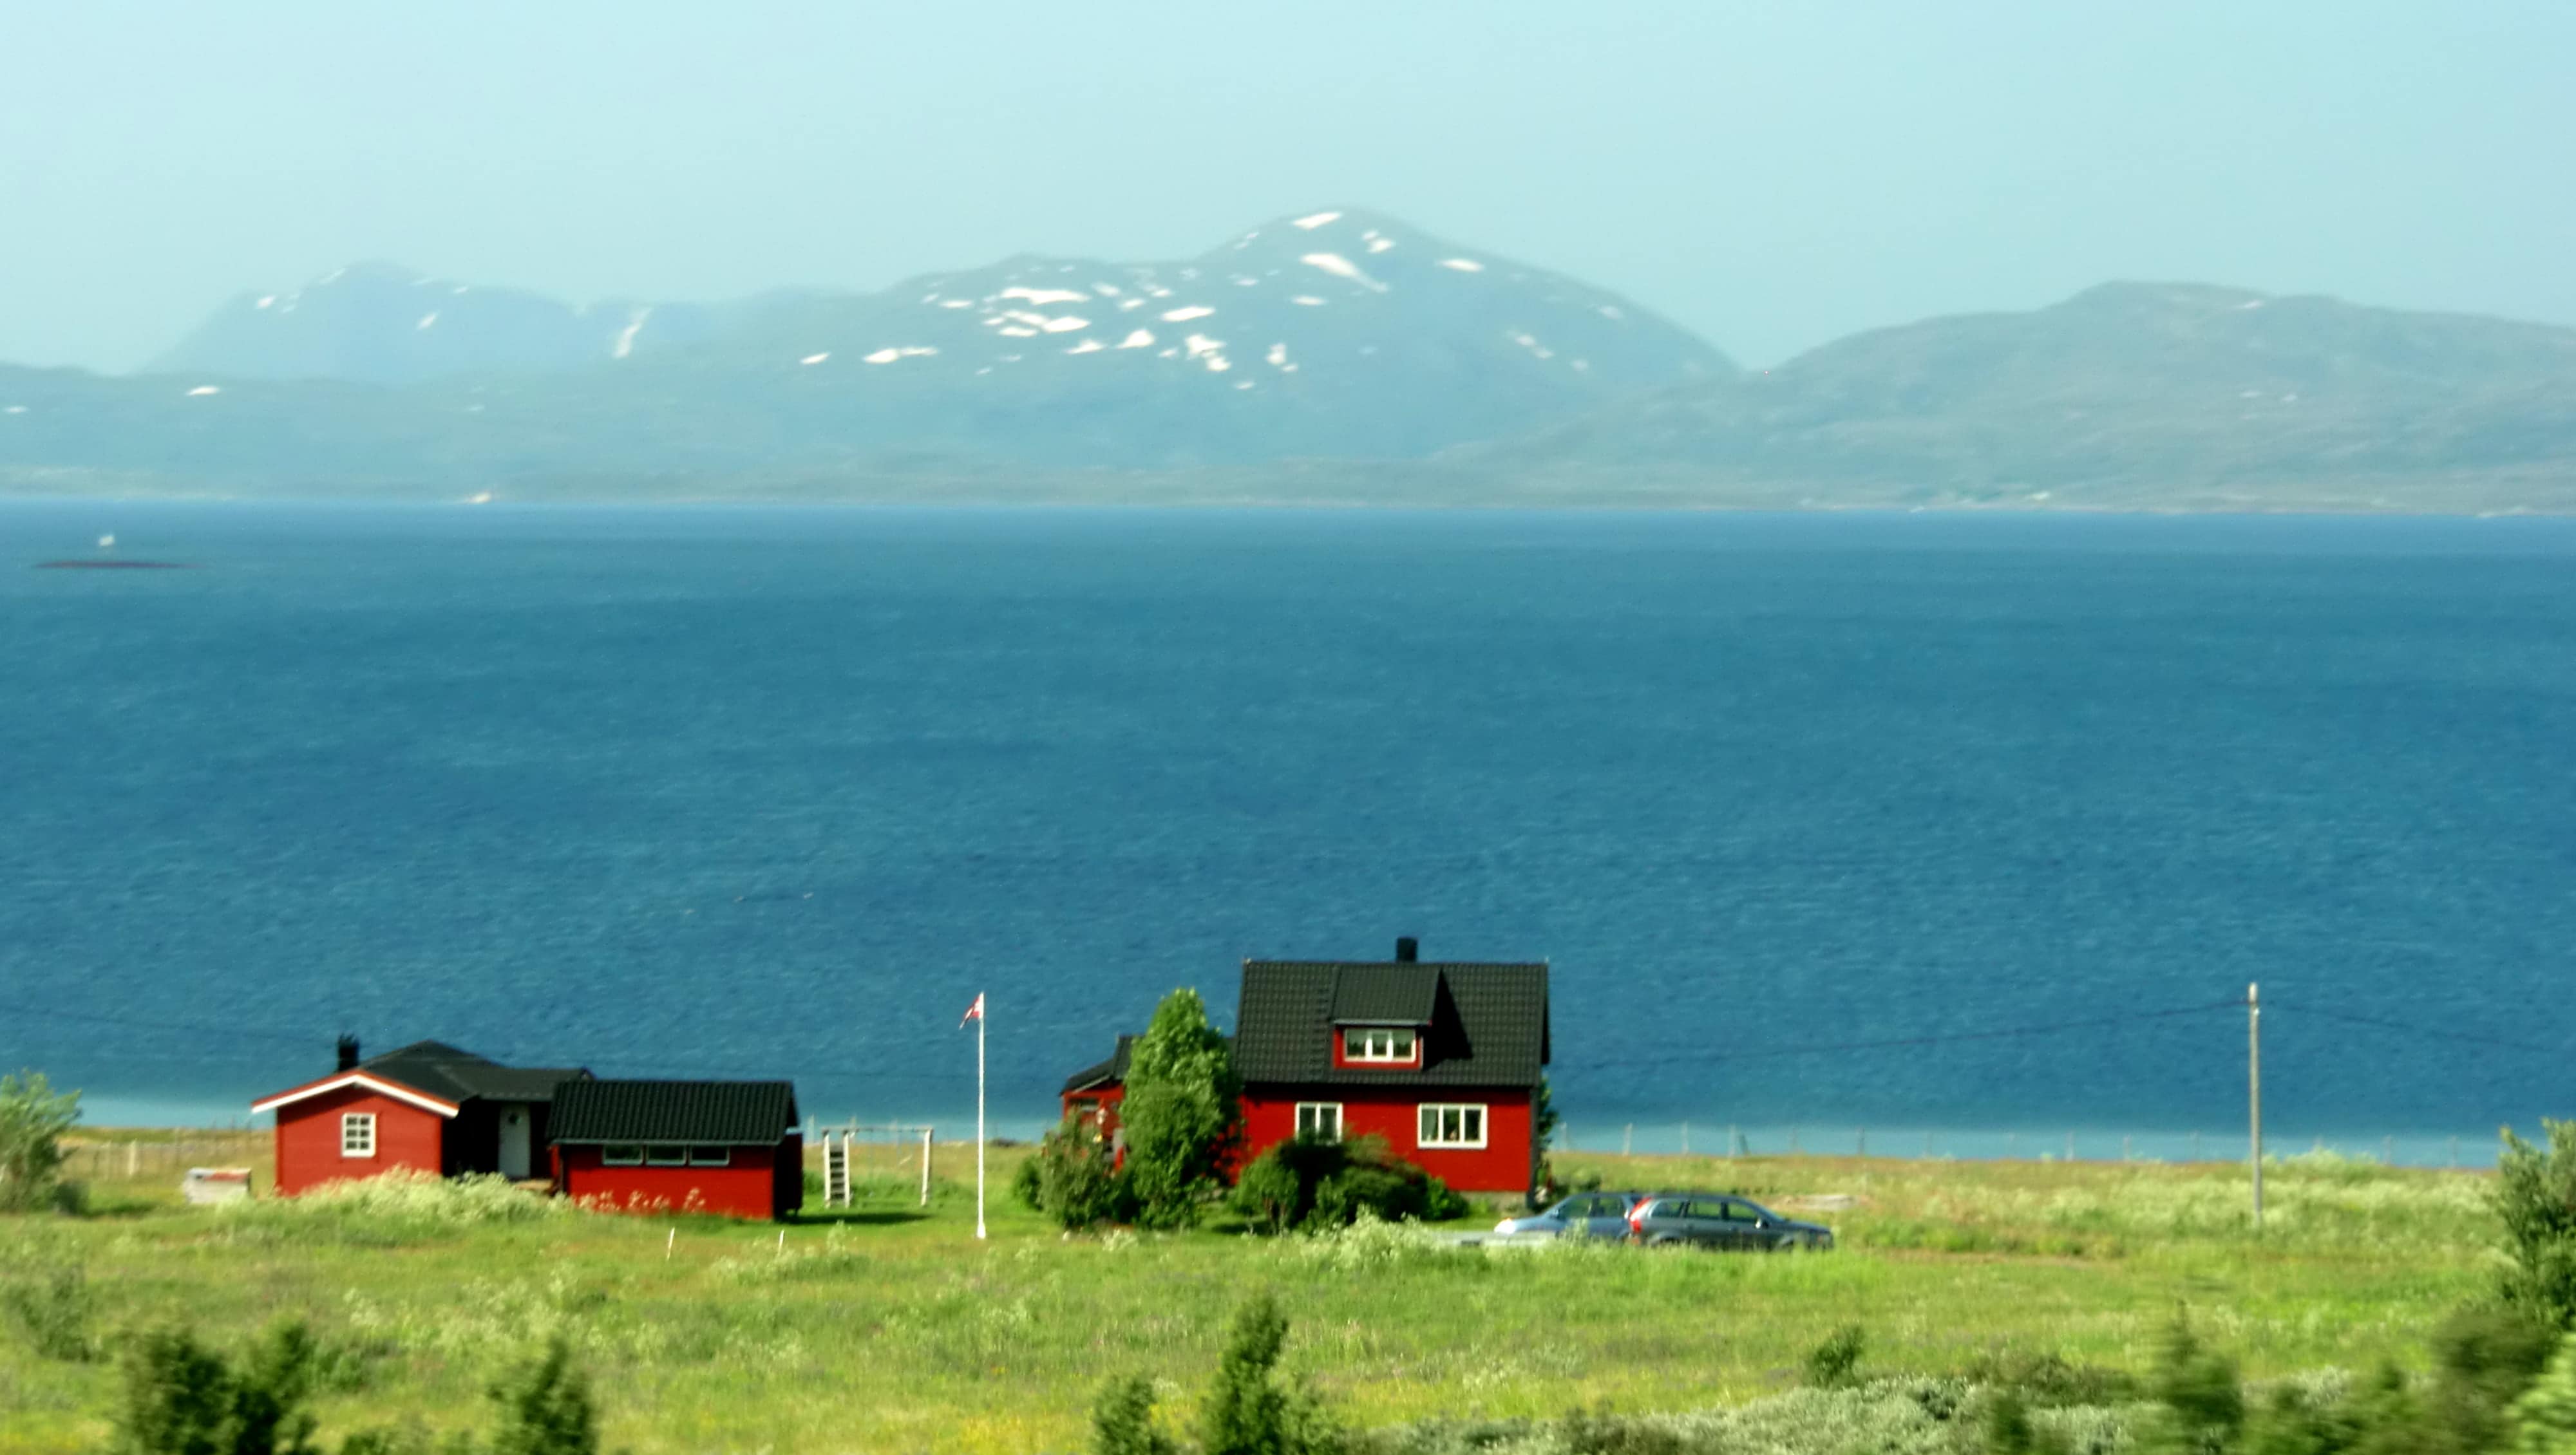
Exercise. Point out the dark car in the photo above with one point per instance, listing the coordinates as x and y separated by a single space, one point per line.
1582 1215
1718 1220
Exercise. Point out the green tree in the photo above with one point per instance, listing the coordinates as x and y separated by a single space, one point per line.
1183 1113
1249 1411
2535 1199
1543 1123
33 1118
546 1407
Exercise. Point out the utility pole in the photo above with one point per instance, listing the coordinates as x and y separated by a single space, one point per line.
2254 1088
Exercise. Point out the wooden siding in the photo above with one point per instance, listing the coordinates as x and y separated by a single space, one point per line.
308 1139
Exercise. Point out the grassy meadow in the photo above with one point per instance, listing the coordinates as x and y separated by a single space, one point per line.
890 1329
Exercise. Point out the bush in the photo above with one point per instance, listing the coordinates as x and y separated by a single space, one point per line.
2535 1199
1182 1113
546 1407
1835 1363
33 1118
182 1398
1309 1183
1074 1178
51 1309
2202 1403
1122 1423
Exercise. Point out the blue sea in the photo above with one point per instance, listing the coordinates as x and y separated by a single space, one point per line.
1910 827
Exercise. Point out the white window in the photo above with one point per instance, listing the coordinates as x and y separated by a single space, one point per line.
1378 1044
621 1155
659 1156
1451 1126
358 1134
711 1156
1319 1120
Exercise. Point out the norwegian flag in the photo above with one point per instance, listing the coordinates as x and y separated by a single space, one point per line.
974 1012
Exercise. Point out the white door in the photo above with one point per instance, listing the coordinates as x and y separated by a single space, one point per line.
514 1141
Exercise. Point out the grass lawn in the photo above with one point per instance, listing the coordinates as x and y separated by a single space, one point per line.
891 1329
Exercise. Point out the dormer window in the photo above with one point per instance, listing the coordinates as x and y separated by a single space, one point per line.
1379 1045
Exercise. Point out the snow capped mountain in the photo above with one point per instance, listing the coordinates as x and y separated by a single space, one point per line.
1329 334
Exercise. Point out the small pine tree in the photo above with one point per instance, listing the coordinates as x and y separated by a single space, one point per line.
546 1407
1835 1363
1182 1113
1248 1411
2202 1398
182 1398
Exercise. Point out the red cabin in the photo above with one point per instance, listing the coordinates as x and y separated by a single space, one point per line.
1444 1061
428 1107
728 1147
1092 1094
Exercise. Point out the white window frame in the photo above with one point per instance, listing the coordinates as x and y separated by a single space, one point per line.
621 1154
357 1134
1360 1045
1433 1116
666 1154
1334 1107
704 1156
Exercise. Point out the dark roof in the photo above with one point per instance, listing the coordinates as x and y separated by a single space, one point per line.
735 1113
1485 1025
458 1075
1112 1072
1401 994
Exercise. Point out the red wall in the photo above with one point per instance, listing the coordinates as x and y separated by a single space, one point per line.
1108 1098
759 1184
308 1139
1501 1165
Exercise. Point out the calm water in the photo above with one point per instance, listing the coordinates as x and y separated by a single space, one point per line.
776 792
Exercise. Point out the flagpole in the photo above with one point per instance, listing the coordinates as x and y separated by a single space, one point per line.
979 1119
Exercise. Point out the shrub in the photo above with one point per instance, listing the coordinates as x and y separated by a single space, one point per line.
1074 1178
1834 1363
2535 1199
33 1118
1308 1183
51 1309
2544 1418
1182 1113
182 1398
390 1208
546 1407
1122 1423
2201 1401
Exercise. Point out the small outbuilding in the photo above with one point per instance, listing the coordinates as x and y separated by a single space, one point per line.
728 1147
428 1107
1091 1095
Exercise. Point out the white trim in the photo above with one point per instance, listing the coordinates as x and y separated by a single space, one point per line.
358 1121
394 1089
1484 1125
1303 1107
1367 1056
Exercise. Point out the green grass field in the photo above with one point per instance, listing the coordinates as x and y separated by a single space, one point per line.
892 1330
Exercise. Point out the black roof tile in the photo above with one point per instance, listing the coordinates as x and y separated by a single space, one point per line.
459 1075
1112 1072
1486 1025
734 1113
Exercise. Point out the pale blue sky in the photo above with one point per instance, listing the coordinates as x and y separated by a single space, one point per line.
1770 175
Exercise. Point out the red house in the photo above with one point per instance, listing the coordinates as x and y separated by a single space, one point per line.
1092 1094
727 1147
428 1107
1441 1060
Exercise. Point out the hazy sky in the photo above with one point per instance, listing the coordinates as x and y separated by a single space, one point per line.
1770 175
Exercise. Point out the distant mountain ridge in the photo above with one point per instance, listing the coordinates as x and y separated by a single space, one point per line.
1329 356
